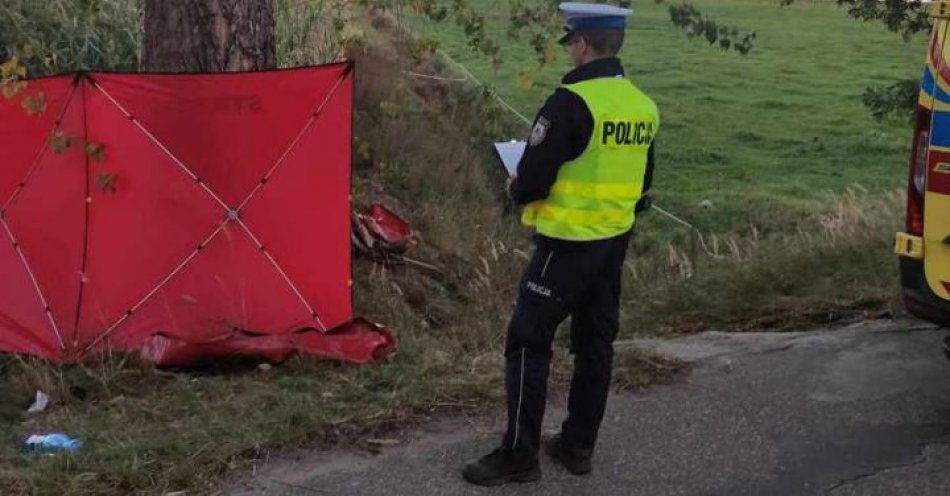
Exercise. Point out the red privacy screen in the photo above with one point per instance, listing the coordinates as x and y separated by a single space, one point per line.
185 206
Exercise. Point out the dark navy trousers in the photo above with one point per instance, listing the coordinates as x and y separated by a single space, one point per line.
576 279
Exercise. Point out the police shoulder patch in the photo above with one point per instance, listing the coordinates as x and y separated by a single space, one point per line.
539 132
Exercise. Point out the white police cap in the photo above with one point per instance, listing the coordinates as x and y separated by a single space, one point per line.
580 16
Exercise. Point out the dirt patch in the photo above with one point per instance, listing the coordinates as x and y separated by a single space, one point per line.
294 468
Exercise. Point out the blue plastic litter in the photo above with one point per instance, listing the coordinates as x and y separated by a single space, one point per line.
50 443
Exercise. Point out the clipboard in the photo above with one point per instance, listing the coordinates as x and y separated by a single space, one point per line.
509 154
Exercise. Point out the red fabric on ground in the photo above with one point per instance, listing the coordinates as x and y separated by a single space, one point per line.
358 341
387 226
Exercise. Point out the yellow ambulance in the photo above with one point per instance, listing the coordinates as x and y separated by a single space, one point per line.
924 246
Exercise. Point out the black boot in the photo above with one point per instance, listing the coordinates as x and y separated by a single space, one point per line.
502 466
576 461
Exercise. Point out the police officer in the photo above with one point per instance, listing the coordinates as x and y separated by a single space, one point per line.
583 177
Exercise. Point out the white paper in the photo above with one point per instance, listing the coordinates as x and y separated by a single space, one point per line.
509 153
42 400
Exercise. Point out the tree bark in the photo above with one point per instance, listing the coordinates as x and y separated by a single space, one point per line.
209 35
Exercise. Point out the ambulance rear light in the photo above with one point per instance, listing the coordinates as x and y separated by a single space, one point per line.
920 161
917 176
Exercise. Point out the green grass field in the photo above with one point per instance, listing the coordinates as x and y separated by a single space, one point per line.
763 136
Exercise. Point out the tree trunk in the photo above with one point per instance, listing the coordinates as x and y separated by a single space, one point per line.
209 35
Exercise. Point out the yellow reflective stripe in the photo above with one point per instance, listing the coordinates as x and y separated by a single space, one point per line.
529 216
597 191
573 216
579 203
925 100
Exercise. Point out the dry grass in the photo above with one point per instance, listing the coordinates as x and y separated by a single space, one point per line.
835 266
636 369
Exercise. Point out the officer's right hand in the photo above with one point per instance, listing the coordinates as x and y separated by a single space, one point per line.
643 204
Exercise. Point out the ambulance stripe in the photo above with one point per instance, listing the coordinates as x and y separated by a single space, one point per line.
928 85
941 129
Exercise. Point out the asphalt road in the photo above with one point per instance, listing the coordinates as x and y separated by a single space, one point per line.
863 410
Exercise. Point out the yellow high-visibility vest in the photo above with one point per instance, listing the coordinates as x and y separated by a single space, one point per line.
595 194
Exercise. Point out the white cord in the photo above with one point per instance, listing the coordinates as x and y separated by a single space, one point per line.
469 75
436 78
677 219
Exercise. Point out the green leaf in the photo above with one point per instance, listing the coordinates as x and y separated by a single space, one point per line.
34 104
12 87
96 152
525 80
106 181
60 142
